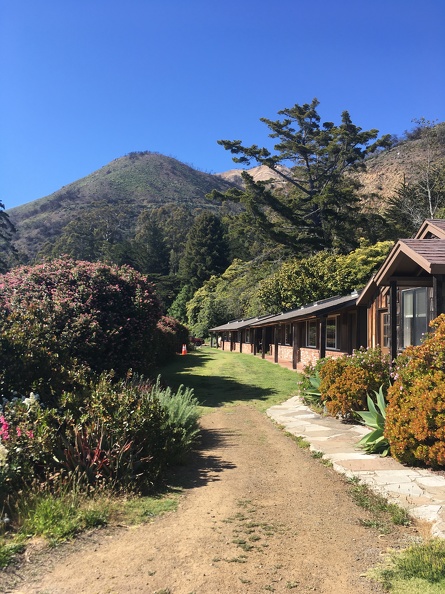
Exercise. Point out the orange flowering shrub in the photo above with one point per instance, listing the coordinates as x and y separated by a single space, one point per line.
415 417
346 380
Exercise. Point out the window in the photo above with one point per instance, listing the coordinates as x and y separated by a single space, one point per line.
331 333
414 316
311 333
288 334
247 335
385 330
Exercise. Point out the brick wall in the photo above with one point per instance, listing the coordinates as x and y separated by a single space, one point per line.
309 356
284 352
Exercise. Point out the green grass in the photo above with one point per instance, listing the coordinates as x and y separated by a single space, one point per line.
59 518
419 569
223 378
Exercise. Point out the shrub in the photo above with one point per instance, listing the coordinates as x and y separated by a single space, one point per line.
170 336
415 416
119 435
65 318
347 380
183 413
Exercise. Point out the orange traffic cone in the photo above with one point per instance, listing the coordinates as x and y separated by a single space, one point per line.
184 349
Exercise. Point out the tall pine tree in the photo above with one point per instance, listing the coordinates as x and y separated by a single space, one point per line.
206 251
317 206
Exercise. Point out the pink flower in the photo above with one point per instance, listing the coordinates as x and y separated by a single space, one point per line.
30 434
19 432
4 428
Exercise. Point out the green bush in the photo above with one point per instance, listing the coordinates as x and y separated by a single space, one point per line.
183 414
169 337
415 416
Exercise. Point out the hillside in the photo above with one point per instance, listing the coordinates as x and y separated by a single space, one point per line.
385 171
149 180
132 183
404 162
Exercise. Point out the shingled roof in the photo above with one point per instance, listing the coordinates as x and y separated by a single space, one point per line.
321 307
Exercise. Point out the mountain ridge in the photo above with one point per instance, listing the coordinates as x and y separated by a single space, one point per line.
145 180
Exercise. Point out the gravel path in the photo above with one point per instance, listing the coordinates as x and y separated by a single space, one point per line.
258 514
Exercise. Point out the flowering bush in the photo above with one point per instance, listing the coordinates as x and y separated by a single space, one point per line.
63 319
346 381
25 441
415 415
121 435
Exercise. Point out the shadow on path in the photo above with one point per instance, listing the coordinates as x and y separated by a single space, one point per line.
203 466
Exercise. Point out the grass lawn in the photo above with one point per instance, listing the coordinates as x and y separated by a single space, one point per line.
223 378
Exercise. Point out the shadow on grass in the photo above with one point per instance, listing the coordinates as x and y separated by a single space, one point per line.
210 390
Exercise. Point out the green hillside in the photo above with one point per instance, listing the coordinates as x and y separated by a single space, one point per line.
132 183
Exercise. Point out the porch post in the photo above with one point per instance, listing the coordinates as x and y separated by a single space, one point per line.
438 296
263 345
323 337
255 341
275 342
240 336
294 346
393 318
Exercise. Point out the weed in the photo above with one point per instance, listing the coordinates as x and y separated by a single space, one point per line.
59 518
383 514
7 552
300 441
317 454
240 559
291 585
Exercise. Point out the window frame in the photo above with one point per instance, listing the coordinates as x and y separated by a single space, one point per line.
312 325
335 320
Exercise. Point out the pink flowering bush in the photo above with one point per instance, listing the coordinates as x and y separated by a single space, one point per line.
26 441
64 319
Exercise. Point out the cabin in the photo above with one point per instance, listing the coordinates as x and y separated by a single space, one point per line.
408 291
237 336
329 327
393 310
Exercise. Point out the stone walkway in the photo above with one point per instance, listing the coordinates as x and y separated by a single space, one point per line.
420 491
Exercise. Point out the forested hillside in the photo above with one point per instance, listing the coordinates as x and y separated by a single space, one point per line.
121 191
311 216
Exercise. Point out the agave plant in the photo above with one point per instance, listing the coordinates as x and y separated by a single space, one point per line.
375 442
311 394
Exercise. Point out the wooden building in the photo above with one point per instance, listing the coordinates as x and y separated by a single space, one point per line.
408 291
329 327
393 310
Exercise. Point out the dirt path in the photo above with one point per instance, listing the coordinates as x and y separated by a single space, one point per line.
259 514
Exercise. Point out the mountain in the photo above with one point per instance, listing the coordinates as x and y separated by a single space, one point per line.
132 183
144 180
260 173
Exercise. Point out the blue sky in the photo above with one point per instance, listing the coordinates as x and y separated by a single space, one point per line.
85 82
